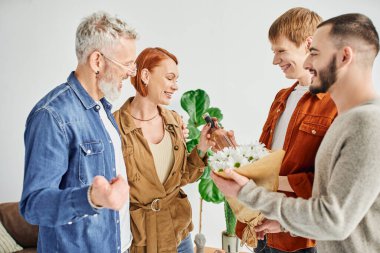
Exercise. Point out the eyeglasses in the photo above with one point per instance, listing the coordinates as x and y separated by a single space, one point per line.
131 68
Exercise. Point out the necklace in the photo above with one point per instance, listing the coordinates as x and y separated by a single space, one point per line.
144 119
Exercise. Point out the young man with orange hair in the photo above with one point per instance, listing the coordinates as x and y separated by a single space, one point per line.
297 121
344 211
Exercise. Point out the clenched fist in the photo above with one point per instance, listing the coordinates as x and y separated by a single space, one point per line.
112 195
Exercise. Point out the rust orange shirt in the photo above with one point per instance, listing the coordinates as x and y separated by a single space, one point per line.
307 126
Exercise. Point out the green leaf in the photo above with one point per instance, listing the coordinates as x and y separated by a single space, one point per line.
195 103
194 132
191 144
206 173
230 219
187 102
209 192
191 123
215 112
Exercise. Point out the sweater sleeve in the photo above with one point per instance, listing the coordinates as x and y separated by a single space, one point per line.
351 191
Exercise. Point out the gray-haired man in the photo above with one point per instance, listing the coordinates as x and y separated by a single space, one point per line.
75 185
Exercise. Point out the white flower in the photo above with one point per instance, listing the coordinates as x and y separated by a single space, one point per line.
236 157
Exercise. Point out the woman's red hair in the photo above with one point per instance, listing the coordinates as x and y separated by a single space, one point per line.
148 59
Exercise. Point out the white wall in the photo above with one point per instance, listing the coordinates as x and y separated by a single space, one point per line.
222 47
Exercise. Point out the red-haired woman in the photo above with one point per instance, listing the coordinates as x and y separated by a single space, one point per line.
156 159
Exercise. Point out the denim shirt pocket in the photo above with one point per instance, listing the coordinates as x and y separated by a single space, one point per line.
91 161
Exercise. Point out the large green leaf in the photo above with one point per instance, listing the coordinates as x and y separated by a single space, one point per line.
206 173
230 219
195 103
215 112
188 104
191 144
194 132
209 192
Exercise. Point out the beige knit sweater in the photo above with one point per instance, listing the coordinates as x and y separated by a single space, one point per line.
343 214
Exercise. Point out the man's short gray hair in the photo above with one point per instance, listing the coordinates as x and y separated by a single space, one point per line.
100 31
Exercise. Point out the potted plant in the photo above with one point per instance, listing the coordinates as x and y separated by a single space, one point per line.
196 103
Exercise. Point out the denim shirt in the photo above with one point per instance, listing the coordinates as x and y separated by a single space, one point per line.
66 146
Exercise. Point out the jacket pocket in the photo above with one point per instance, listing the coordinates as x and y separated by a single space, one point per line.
309 137
313 129
138 227
181 215
91 161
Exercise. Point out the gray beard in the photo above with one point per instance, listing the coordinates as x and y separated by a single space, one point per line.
110 90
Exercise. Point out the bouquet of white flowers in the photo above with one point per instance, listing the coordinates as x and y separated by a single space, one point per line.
255 162
230 157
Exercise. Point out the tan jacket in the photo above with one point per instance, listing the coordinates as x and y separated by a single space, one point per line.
160 213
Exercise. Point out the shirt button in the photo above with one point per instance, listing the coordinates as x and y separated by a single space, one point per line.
88 151
313 131
117 221
278 110
176 147
118 247
97 107
70 222
113 169
84 216
110 141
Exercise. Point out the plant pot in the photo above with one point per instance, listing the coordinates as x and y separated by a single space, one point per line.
230 244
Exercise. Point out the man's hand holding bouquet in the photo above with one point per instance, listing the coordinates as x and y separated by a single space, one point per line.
254 162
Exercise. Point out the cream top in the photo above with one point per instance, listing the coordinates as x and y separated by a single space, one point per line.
163 156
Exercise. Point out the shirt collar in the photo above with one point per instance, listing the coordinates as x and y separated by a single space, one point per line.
87 101
321 95
107 105
286 94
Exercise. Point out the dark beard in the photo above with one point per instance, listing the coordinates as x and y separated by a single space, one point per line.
327 77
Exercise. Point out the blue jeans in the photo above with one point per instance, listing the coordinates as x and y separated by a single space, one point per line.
186 246
263 248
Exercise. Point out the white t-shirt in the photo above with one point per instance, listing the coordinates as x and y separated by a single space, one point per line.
125 227
283 122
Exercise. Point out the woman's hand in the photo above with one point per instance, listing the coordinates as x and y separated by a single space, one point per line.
231 135
185 131
205 141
